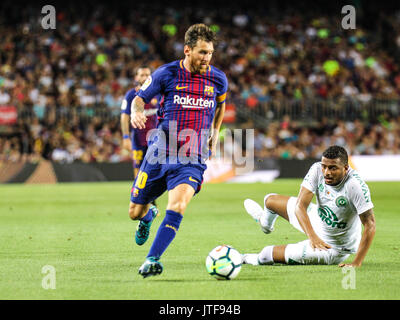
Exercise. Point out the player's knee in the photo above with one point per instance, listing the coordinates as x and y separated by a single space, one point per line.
178 206
271 201
135 211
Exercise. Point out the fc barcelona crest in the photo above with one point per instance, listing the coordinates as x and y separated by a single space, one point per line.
135 192
209 91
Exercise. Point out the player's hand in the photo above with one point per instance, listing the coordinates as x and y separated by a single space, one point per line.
317 243
138 120
353 265
127 144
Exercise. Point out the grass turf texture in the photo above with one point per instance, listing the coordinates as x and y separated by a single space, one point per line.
84 231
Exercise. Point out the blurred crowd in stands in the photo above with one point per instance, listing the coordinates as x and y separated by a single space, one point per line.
87 63
288 140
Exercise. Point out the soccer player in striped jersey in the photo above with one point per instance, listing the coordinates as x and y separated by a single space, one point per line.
135 140
189 122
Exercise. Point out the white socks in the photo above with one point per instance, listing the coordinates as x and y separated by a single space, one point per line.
267 220
265 256
251 258
262 258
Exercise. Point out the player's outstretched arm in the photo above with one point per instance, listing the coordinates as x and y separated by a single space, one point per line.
368 220
138 118
303 201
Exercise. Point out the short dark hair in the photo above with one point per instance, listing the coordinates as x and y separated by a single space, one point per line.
142 67
334 152
197 32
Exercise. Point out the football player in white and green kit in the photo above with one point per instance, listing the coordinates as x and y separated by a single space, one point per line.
333 225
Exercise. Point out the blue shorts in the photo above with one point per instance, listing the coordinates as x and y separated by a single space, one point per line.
154 179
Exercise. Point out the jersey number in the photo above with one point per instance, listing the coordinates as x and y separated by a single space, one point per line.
138 155
141 180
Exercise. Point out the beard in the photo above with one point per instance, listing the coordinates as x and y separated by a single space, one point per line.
198 68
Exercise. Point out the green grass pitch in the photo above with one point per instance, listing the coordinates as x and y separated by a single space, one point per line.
84 232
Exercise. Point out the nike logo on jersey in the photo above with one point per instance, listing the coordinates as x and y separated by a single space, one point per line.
180 88
193 180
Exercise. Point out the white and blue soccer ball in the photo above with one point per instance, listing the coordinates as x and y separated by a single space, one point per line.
224 262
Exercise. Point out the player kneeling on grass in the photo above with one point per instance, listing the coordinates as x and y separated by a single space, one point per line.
333 225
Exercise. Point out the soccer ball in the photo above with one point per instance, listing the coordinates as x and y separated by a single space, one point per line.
224 262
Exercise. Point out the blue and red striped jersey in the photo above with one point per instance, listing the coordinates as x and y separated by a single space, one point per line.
189 102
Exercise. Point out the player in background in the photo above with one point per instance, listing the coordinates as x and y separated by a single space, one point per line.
333 225
194 101
135 141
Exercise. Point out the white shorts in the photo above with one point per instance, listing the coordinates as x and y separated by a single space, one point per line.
302 252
